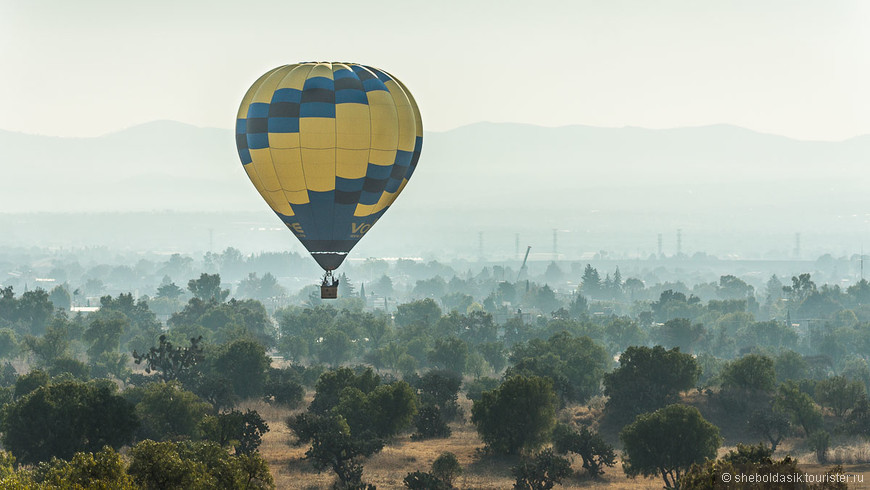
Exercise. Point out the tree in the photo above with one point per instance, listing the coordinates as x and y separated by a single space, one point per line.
444 471
592 448
245 364
52 345
141 324
56 420
260 288
446 467
70 367
104 334
542 472
773 290
668 442
420 480
334 446
680 332
101 470
167 411
331 383
732 287
839 394
574 364
34 310
385 411
196 465
516 416
335 347
770 423
674 304
243 431
173 363
208 287
819 442
383 286
751 372
633 286
647 379
157 465
430 424
60 298
746 460
169 291
424 312
799 406
801 288
578 307
494 354
590 283
30 382
8 343
283 387
450 354
440 389
789 365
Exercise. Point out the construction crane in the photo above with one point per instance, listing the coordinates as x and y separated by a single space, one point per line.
525 259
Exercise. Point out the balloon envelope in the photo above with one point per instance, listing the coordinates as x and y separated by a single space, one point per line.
329 146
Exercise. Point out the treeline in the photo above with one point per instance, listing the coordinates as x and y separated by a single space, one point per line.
523 353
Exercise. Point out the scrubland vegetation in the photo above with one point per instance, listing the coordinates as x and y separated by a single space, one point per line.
469 381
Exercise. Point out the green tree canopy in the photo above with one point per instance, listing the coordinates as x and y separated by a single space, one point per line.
167 411
57 420
647 379
668 442
245 364
751 372
574 364
516 416
208 287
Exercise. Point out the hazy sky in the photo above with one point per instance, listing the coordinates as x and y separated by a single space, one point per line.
792 67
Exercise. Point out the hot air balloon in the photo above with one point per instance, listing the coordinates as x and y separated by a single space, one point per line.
329 146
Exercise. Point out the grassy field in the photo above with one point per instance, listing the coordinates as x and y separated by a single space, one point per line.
388 468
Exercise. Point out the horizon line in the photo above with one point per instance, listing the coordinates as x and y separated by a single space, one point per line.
463 126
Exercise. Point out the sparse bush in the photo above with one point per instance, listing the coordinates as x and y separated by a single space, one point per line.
592 448
283 387
430 424
475 388
446 467
542 472
420 480
819 442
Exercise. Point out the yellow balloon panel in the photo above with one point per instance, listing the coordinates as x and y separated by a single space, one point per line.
351 164
317 132
319 169
288 169
353 126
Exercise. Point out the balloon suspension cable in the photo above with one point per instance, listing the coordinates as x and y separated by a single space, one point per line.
328 279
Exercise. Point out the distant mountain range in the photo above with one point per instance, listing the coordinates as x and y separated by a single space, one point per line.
490 175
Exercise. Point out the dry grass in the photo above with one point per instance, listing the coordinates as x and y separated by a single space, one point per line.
388 468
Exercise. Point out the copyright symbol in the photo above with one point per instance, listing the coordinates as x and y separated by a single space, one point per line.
726 477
